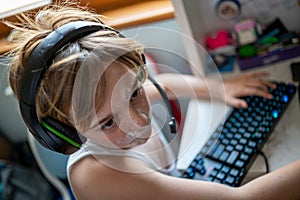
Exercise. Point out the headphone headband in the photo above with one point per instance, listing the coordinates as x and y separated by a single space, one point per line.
35 67
41 57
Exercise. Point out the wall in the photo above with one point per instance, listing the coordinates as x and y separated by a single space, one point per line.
163 41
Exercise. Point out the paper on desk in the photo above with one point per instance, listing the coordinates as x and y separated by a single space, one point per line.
201 121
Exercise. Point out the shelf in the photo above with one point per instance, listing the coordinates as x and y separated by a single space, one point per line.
5 46
134 13
139 13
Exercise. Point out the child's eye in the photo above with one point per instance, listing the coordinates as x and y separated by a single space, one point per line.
109 124
135 94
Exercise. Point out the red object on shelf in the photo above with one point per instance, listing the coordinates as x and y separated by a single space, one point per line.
222 38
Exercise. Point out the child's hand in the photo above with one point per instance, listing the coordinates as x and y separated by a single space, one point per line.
247 84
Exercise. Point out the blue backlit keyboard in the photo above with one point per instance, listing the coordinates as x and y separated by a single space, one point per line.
232 148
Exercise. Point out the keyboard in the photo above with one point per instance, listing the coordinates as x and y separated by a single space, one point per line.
232 148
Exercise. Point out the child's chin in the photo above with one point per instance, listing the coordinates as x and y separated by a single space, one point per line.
137 142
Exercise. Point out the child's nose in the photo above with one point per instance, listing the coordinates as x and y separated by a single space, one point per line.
140 117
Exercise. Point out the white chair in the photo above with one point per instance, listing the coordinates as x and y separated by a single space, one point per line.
52 164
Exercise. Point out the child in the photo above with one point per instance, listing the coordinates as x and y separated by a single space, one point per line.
94 83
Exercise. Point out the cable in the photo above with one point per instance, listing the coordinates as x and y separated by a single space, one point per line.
266 161
172 122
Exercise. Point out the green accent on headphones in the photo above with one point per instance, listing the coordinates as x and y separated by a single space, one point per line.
59 134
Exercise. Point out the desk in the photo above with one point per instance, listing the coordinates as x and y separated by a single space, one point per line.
282 147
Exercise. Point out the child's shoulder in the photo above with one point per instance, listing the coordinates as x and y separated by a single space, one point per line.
90 176
82 168
88 172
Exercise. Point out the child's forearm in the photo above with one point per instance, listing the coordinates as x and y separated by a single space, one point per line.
280 184
229 91
187 86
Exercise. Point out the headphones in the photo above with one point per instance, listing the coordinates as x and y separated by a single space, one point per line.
50 132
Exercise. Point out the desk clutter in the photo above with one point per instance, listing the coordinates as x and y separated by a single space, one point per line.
231 150
252 45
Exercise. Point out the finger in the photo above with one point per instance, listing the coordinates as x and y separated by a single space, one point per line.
237 103
270 84
265 85
257 92
259 84
259 74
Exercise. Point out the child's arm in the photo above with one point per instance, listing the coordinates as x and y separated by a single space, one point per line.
97 181
177 85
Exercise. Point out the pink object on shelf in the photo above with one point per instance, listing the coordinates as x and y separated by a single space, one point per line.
246 31
247 24
222 38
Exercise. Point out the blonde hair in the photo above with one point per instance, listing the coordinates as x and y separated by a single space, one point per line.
54 94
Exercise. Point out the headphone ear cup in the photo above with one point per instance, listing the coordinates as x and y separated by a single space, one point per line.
63 131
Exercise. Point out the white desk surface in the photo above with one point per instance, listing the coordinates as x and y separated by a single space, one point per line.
282 147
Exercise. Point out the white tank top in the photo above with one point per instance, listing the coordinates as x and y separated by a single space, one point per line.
90 148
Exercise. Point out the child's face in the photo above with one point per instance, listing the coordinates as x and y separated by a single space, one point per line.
124 120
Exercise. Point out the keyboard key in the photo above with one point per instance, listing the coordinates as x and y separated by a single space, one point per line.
199 157
239 147
248 150
256 136
229 148
219 151
229 135
204 150
225 141
233 142
247 135
226 169
242 119
210 142
234 172
220 176
244 157
252 144
190 172
229 180
228 125
215 135
238 136
243 141
239 164
193 164
242 130
233 156
217 180
224 156
255 123
200 169
200 161
220 128
213 149
251 129
213 173
218 167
